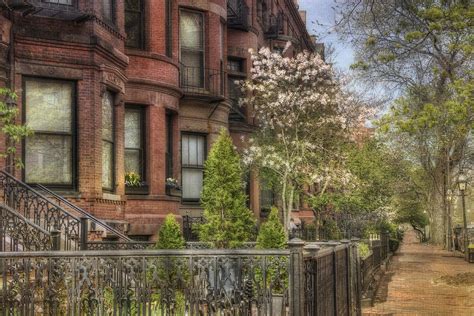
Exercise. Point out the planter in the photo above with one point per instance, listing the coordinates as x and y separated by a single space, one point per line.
278 305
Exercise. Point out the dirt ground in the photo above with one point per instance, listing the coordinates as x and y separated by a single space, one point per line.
425 280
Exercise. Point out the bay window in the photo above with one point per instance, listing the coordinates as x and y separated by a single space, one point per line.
108 10
135 141
191 38
49 112
108 140
193 155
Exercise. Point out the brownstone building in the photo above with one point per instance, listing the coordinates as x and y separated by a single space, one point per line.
118 86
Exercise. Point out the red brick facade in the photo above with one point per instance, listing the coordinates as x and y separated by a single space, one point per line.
73 41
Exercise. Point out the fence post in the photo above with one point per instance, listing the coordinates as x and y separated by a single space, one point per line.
386 243
358 285
55 240
347 243
296 277
84 233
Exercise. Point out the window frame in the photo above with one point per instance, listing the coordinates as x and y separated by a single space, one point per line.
142 40
72 134
143 150
203 49
114 141
195 167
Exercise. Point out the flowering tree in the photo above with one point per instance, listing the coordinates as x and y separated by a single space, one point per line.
303 118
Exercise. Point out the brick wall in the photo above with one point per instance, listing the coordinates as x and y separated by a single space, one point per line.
92 53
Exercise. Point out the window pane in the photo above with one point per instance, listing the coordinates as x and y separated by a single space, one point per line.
133 29
49 105
133 161
192 183
107 165
190 30
193 148
200 151
48 159
133 128
107 116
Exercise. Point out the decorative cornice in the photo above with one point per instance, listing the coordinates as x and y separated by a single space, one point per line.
111 28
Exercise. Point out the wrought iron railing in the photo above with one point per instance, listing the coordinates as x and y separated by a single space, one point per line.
238 15
331 282
40 211
203 82
17 233
191 282
57 9
117 245
83 214
274 27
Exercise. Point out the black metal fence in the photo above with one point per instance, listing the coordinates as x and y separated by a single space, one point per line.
370 264
313 279
331 281
187 282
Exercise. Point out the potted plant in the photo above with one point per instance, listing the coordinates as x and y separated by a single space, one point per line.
133 183
172 187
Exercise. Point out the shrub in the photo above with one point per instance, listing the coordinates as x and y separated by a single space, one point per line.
363 249
170 270
393 244
272 232
170 235
228 221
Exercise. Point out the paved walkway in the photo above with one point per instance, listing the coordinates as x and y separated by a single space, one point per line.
413 284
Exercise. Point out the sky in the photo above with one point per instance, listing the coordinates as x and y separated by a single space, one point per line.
320 11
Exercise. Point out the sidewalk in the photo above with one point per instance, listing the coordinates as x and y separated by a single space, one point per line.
415 283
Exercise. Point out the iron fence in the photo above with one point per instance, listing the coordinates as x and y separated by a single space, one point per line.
331 282
119 245
187 282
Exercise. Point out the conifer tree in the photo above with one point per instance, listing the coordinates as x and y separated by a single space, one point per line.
228 221
170 235
272 233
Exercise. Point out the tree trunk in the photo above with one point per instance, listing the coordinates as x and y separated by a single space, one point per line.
438 219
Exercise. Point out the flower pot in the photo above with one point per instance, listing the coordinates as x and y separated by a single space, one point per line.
278 305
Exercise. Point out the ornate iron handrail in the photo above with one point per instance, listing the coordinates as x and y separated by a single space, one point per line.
18 233
200 81
167 282
39 210
82 213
